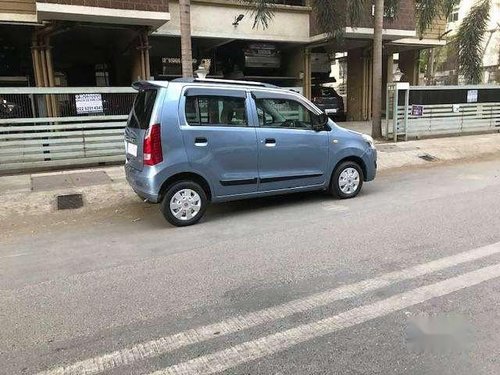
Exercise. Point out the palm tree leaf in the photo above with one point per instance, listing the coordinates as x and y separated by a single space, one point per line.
427 11
262 12
329 15
355 10
447 6
469 42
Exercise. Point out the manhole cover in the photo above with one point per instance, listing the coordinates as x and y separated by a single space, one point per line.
69 201
427 157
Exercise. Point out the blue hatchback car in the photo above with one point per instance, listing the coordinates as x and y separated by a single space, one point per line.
190 142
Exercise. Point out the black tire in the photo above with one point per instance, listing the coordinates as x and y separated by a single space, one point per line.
335 185
171 191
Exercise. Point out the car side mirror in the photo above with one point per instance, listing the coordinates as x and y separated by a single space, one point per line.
320 121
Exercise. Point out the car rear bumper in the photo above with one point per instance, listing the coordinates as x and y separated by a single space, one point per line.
142 183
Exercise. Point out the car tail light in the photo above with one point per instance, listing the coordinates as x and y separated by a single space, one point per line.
153 153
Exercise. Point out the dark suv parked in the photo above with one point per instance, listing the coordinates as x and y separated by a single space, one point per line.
329 101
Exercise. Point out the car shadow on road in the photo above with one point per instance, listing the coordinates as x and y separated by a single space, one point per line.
275 205
234 209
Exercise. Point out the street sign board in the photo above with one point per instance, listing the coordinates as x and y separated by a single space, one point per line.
471 96
417 110
88 103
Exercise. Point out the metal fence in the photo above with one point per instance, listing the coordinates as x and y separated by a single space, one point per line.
425 111
54 127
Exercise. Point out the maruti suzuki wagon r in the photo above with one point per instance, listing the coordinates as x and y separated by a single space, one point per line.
190 142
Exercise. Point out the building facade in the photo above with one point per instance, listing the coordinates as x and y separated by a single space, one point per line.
77 42
115 42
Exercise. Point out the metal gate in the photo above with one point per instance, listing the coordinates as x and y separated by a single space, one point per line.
42 128
426 111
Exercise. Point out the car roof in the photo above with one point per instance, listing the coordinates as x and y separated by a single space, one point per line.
216 83
202 81
225 84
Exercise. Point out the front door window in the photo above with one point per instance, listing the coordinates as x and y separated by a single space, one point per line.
283 113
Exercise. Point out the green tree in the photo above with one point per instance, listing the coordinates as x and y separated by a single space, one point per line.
469 42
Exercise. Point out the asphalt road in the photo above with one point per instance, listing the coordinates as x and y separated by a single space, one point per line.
404 279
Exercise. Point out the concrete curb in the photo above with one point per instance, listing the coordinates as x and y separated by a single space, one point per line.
396 155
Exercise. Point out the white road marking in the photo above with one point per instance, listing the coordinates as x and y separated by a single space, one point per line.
268 345
167 344
14 255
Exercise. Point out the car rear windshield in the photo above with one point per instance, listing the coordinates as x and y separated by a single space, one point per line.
324 92
142 109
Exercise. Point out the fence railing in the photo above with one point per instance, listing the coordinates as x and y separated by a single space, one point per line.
442 119
55 127
424 111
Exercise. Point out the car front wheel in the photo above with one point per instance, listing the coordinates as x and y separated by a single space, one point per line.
347 180
184 203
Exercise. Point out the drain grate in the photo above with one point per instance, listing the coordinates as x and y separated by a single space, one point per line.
427 157
69 201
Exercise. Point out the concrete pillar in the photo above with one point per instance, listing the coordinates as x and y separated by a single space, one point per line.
35 55
50 77
367 86
387 69
408 64
50 65
294 59
359 78
43 58
147 62
43 69
307 73
390 69
136 66
141 63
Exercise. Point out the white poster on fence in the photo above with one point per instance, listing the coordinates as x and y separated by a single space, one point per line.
88 103
471 96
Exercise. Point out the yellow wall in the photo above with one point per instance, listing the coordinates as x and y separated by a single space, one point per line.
18 6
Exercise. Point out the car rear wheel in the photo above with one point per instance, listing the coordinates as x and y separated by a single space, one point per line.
347 180
184 203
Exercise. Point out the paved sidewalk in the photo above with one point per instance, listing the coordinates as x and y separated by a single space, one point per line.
36 195
358 126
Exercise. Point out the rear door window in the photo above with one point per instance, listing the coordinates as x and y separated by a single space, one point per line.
208 110
140 115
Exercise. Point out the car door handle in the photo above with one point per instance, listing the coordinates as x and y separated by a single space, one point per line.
270 142
200 141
